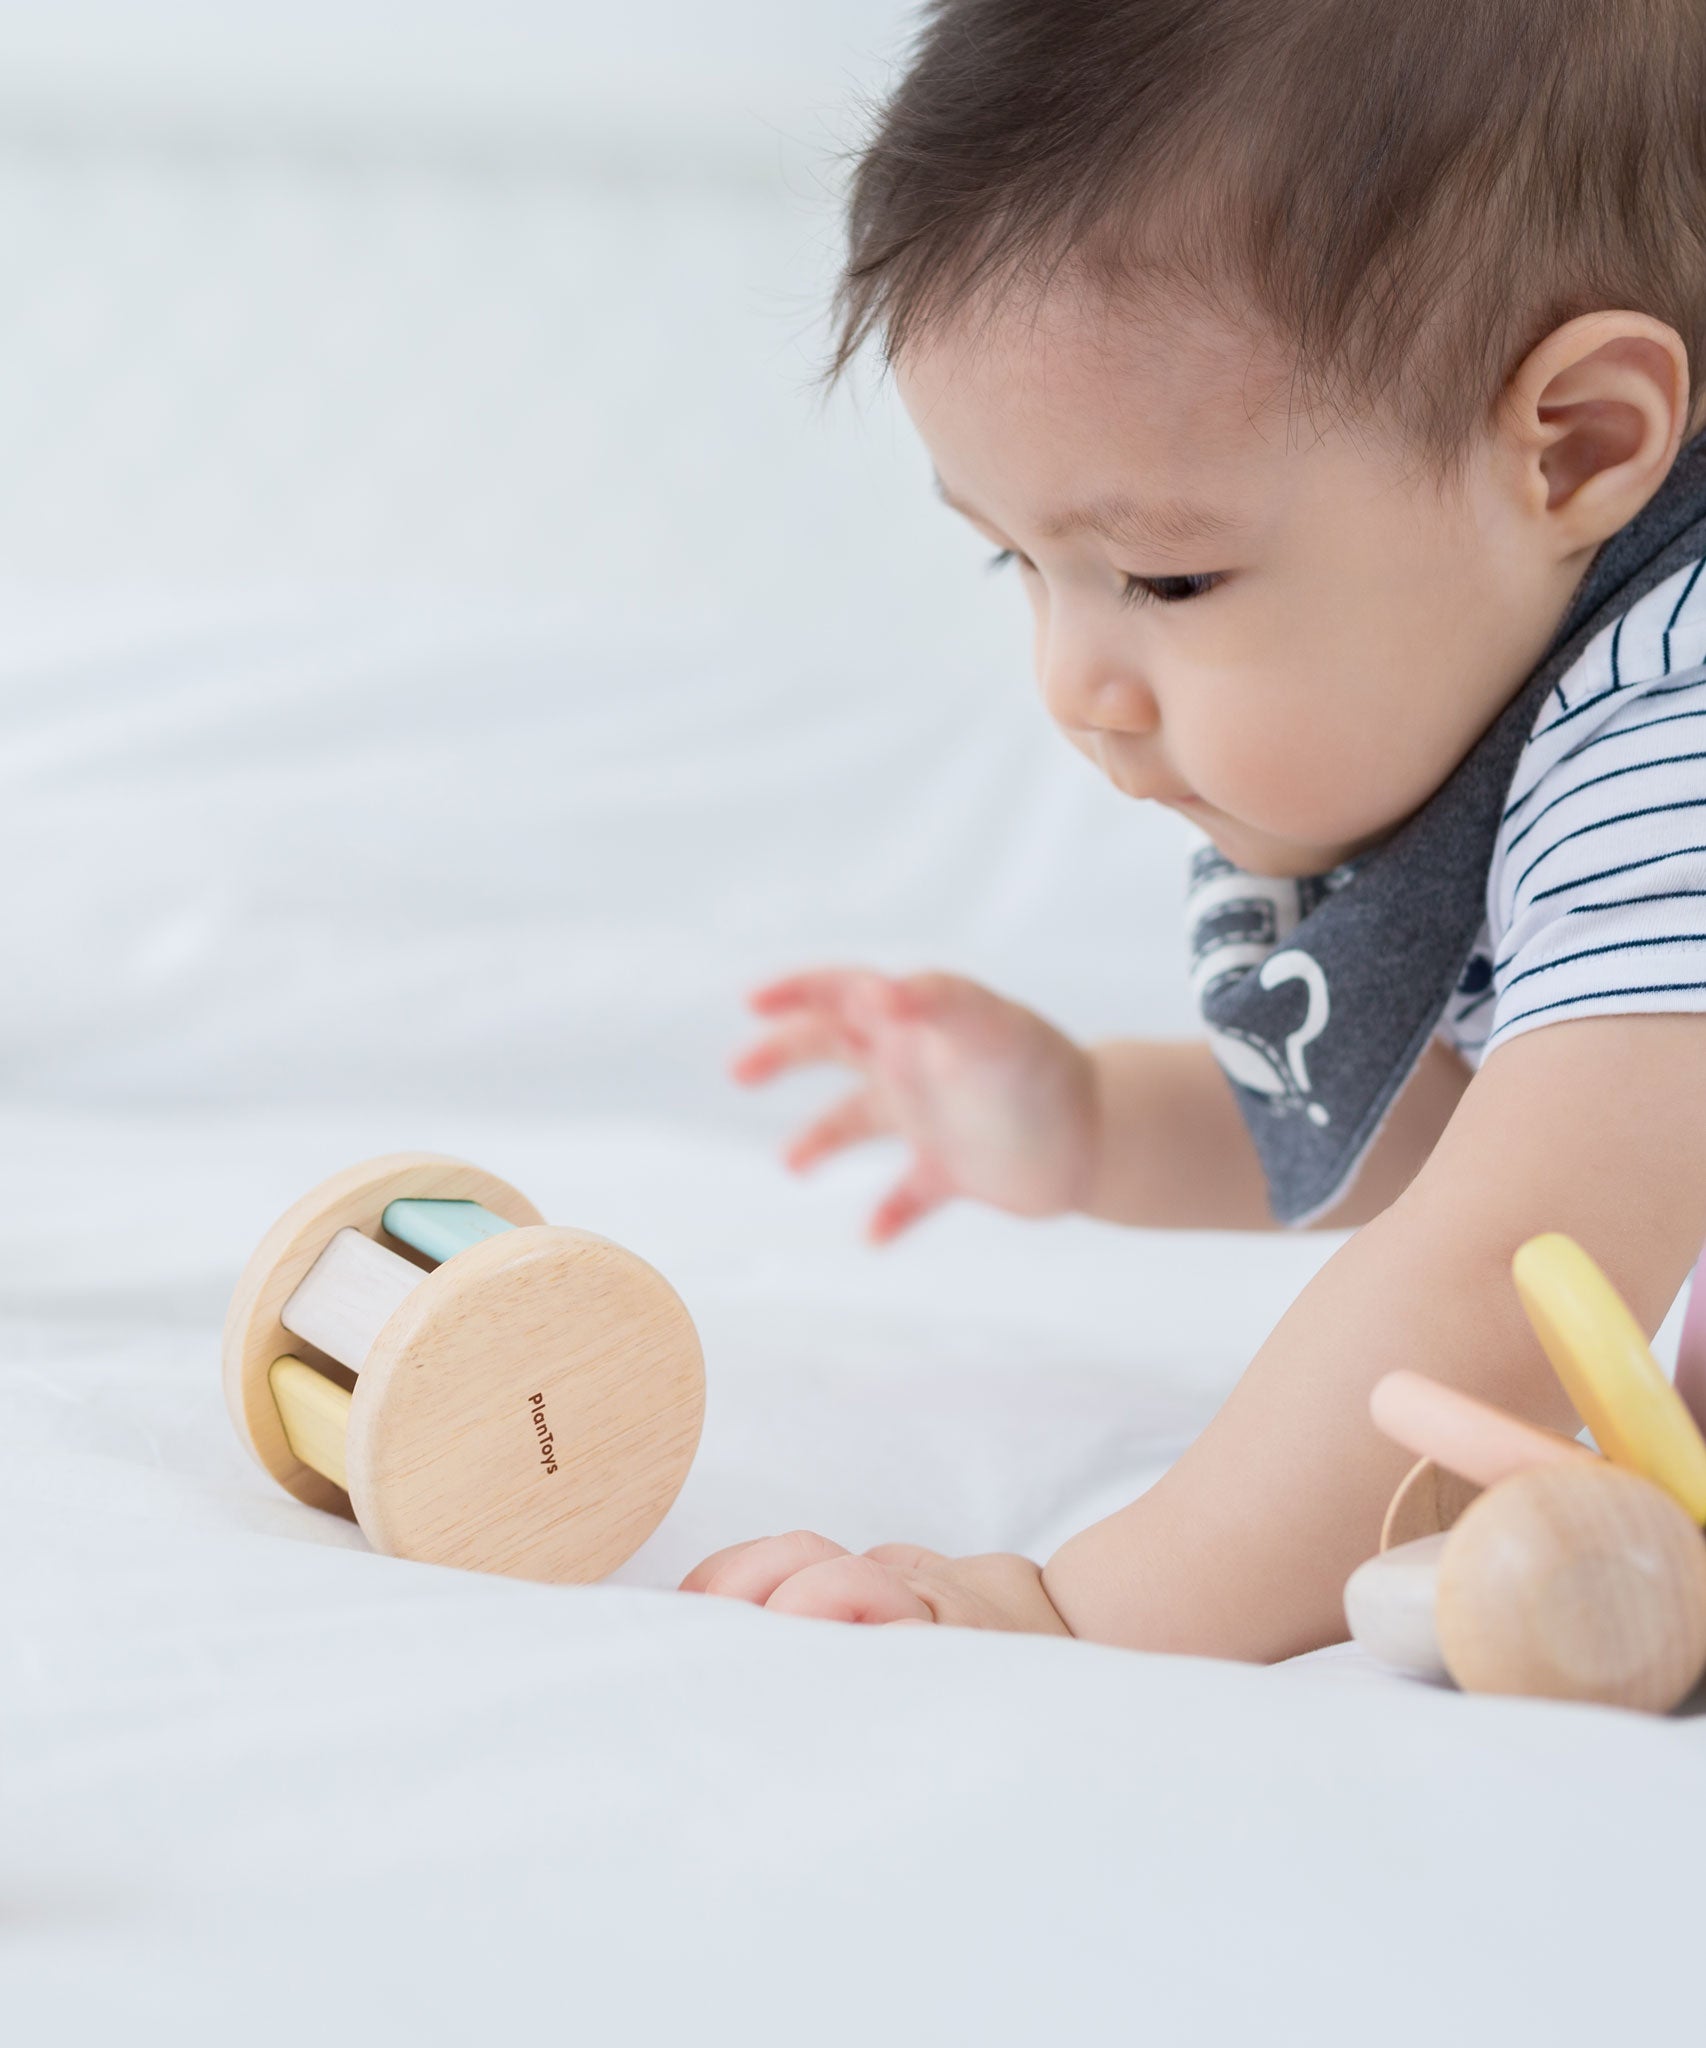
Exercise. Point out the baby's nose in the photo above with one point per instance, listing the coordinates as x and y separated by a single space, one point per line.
1092 693
1124 705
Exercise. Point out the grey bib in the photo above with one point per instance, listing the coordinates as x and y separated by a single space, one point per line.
1319 996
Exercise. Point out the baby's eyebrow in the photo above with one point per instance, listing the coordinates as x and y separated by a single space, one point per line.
1173 522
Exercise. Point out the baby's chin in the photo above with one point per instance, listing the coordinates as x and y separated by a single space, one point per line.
1265 853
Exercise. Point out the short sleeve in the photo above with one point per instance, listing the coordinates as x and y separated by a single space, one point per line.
1597 895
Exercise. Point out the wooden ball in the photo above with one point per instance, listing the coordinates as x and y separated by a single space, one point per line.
1577 1582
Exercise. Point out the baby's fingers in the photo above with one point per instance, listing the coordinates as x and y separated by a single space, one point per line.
912 1198
700 1577
852 1119
794 1043
906 1557
859 996
753 1571
816 985
849 1589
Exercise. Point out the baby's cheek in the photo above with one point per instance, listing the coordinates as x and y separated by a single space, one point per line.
1299 771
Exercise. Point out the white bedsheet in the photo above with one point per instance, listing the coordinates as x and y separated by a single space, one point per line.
261 1783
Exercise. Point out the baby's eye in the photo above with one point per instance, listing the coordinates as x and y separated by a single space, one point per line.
1170 589
1139 589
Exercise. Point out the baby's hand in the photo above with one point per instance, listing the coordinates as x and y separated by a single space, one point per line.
994 1101
808 1575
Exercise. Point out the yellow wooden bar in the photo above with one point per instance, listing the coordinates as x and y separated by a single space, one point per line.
315 1414
1601 1354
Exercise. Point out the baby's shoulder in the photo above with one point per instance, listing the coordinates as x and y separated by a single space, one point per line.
1596 895
1649 652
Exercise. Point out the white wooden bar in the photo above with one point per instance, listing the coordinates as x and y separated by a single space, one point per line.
1389 1604
348 1296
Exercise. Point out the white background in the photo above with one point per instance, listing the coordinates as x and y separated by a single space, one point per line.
423 535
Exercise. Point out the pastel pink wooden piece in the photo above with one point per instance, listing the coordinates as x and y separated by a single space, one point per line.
1471 1438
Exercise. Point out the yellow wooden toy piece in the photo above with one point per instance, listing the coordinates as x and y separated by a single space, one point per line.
315 1413
1601 1354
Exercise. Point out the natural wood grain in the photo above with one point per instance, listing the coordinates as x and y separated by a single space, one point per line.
1575 1582
1428 1501
254 1335
347 1296
532 1408
1389 1607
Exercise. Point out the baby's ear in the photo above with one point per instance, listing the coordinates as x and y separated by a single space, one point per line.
1593 417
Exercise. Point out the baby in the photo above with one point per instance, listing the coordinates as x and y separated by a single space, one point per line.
1322 369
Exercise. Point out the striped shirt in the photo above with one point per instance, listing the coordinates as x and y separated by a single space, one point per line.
1596 897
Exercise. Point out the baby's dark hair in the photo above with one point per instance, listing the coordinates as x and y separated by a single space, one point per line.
1409 196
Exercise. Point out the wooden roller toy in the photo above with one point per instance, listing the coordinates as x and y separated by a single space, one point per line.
414 1345
1514 1560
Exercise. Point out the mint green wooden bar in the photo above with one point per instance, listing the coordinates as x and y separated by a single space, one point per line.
441 1229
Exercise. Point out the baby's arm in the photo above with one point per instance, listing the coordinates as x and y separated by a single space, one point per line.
997 1105
1172 1150
1596 1128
